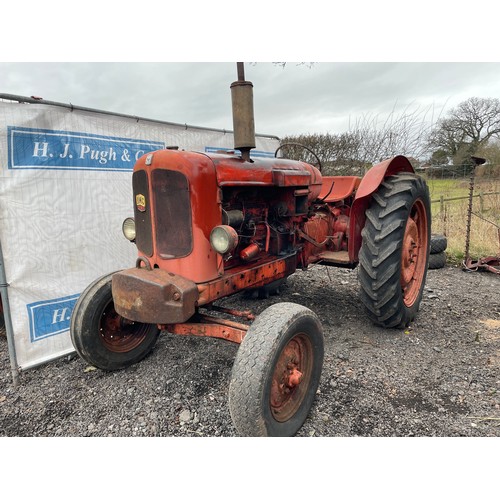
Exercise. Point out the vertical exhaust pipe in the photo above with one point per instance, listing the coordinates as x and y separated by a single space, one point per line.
243 116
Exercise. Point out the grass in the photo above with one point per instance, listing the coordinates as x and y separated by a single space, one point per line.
450 218
449 188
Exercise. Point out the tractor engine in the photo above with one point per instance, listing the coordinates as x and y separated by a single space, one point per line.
279 221
275 207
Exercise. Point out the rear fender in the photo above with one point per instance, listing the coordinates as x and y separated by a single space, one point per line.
369 184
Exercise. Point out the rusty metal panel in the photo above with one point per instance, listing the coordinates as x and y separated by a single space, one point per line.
243 277
216 329
284 178
155 296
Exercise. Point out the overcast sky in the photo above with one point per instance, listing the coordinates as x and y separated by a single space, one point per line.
292 99
288 99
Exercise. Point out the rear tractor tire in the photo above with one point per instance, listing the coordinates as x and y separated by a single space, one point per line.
103 338
394 254
276 371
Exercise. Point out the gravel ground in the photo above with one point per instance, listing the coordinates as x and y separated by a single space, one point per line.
440 377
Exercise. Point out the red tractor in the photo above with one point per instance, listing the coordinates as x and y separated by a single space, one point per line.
208 226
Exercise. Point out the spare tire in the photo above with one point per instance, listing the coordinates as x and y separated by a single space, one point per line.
439 243
437 260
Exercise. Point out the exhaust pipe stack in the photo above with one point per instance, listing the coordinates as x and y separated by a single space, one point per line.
243 116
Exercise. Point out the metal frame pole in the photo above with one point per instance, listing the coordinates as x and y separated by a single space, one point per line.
8 322
72 107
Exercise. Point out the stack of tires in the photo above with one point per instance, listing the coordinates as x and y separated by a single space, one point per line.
437 257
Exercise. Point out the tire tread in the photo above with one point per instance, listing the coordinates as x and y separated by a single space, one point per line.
253 360
379 257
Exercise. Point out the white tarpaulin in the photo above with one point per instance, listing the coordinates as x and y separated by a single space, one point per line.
65 188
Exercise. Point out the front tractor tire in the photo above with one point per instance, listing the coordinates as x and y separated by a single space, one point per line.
276 372
103 338
394 254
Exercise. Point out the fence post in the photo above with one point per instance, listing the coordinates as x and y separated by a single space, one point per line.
441 204
481 202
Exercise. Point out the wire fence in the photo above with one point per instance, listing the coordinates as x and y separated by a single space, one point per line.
456 193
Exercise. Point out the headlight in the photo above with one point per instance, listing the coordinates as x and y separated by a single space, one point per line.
128 228
223 239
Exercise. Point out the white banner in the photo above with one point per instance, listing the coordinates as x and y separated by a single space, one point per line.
65 188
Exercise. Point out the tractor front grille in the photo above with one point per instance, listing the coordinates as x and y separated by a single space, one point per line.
172 207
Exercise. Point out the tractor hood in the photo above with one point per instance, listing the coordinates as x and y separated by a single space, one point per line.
232 170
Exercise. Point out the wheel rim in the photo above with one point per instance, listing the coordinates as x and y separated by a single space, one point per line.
119 334
291 377
415 244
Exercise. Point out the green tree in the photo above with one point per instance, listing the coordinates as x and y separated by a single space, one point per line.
439 158
491 151
466 128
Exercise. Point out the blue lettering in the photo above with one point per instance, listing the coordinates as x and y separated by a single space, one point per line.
59 150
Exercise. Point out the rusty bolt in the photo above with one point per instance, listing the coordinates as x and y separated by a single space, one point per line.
177 296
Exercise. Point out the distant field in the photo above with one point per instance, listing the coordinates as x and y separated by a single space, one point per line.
450 218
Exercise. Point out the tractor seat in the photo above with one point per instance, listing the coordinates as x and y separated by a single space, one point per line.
343 187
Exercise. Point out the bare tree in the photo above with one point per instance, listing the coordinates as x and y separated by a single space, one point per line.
334 153
368 141
399 134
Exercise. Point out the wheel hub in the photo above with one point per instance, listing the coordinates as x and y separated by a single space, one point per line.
290 379
410 252
118 333
415 243
294 377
